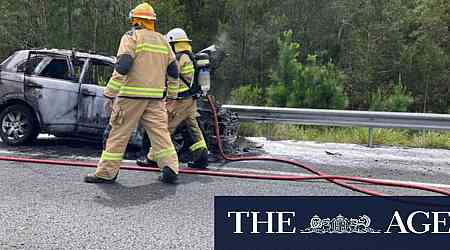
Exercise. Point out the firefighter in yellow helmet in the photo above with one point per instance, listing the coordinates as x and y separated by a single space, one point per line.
184 109
138 85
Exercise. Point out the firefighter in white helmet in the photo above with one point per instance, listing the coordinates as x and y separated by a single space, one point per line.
138 84
184 109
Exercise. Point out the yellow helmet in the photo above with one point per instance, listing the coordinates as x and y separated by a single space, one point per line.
144 11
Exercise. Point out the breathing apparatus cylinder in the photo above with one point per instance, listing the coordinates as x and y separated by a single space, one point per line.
204 74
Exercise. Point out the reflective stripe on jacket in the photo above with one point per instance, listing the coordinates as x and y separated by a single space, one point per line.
187 71
148 74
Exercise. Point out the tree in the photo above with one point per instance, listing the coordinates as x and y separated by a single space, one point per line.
285 73
399 100
372 41
426 55
313 85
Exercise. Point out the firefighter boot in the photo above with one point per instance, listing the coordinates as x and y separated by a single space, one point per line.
146 163
200 159
168 175
92 178
143 160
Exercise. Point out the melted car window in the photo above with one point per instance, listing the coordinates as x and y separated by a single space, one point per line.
31 64
57 68
99 73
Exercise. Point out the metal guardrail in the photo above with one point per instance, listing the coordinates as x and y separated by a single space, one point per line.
344 118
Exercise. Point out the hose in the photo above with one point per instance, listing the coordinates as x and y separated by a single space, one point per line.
235 175
320 175
339 180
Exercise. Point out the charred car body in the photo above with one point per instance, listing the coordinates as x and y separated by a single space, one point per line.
57 92
60 92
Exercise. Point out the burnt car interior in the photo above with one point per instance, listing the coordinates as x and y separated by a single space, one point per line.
31 64
78 65
50 65
57 68
99 73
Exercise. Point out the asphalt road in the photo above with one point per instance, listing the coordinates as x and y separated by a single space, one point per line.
49 207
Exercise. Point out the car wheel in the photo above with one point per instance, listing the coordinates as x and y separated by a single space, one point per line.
18 125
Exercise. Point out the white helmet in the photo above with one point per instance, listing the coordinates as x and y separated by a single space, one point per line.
177 35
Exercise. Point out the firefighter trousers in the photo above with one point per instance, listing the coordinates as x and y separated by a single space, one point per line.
125 116
185 111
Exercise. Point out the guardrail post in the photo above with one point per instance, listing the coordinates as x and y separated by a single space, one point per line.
269 131
370 140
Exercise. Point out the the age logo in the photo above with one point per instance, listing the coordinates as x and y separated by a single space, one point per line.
340 225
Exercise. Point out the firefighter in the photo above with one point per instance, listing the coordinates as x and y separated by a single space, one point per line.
137 92
184 109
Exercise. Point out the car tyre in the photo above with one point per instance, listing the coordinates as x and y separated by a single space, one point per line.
18 125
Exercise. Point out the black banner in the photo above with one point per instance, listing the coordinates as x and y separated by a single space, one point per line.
332 223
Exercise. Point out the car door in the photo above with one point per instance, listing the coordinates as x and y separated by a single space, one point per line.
50 86
92 119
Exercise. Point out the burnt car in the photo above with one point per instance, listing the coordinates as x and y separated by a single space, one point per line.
60 92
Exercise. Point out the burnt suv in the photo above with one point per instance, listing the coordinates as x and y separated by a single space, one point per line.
53 91
60 92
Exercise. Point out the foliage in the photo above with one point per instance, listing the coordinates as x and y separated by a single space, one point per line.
376 100
324 87
248 95
398 101
309 85
372 42
286 73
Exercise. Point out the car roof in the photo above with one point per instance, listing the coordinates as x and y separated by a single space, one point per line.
78 54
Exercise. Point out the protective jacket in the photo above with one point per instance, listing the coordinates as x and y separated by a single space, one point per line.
151 56
187 71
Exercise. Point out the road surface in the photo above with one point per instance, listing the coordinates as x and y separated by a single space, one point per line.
49 207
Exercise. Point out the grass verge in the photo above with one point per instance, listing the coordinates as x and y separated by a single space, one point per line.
391 137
